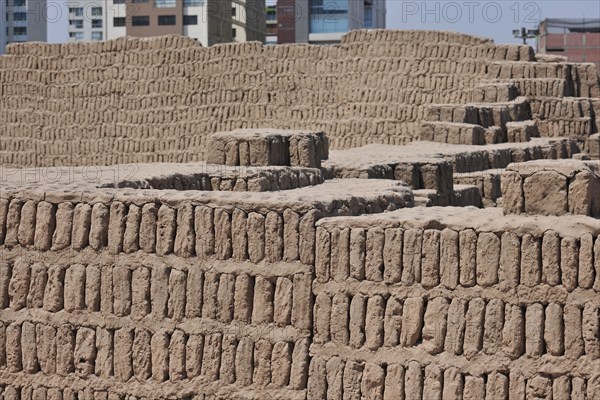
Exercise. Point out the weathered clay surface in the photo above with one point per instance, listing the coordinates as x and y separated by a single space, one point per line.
277 270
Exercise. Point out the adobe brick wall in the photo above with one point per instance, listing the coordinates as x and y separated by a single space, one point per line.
157 100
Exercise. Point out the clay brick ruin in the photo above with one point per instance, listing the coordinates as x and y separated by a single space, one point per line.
408 215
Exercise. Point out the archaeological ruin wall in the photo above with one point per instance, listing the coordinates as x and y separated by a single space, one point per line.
322 262
200 282
157 100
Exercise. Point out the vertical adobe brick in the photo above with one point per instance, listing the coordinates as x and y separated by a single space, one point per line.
105 353
531 268
99 226
74 288
239 234
358 253
131 237
394 382
93 281
256 237
26 231
37 285
61 238
412 321
194 349
467 240
300 361
488 258
159 290
185 238
283 301
227 369
222 224
281 364
551 258
273 237
45 225
45 341
323 255
177 355
449 259
85 351
392 255
411 256
510 261
165 230
340 254
244 362
434 327
116 227
177 288
147 234
374 254
82 222
291 235
205 231
569 260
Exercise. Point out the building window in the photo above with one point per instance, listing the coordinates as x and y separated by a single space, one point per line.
166 20
140 21
271 14
19 30
96 11
329 16
96 23
190 20
119 21
233 32
118 1
76 11
76 23
192 3
368 16
164 3
140 1
96 35
78 36
233 11
19 16
18 3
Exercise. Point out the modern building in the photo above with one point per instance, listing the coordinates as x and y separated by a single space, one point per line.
208 21
23 20
576 39
91 20
326 21
248 20
271 20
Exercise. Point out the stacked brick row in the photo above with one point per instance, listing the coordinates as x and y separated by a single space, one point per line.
341 379
161 292
188 92
456 259
137 354
239 180
186 231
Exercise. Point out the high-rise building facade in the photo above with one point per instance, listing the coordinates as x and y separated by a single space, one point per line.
208 21
576 39
326 21
92 20
22 20
248 20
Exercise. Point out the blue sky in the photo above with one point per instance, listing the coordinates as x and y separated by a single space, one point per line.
495 19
